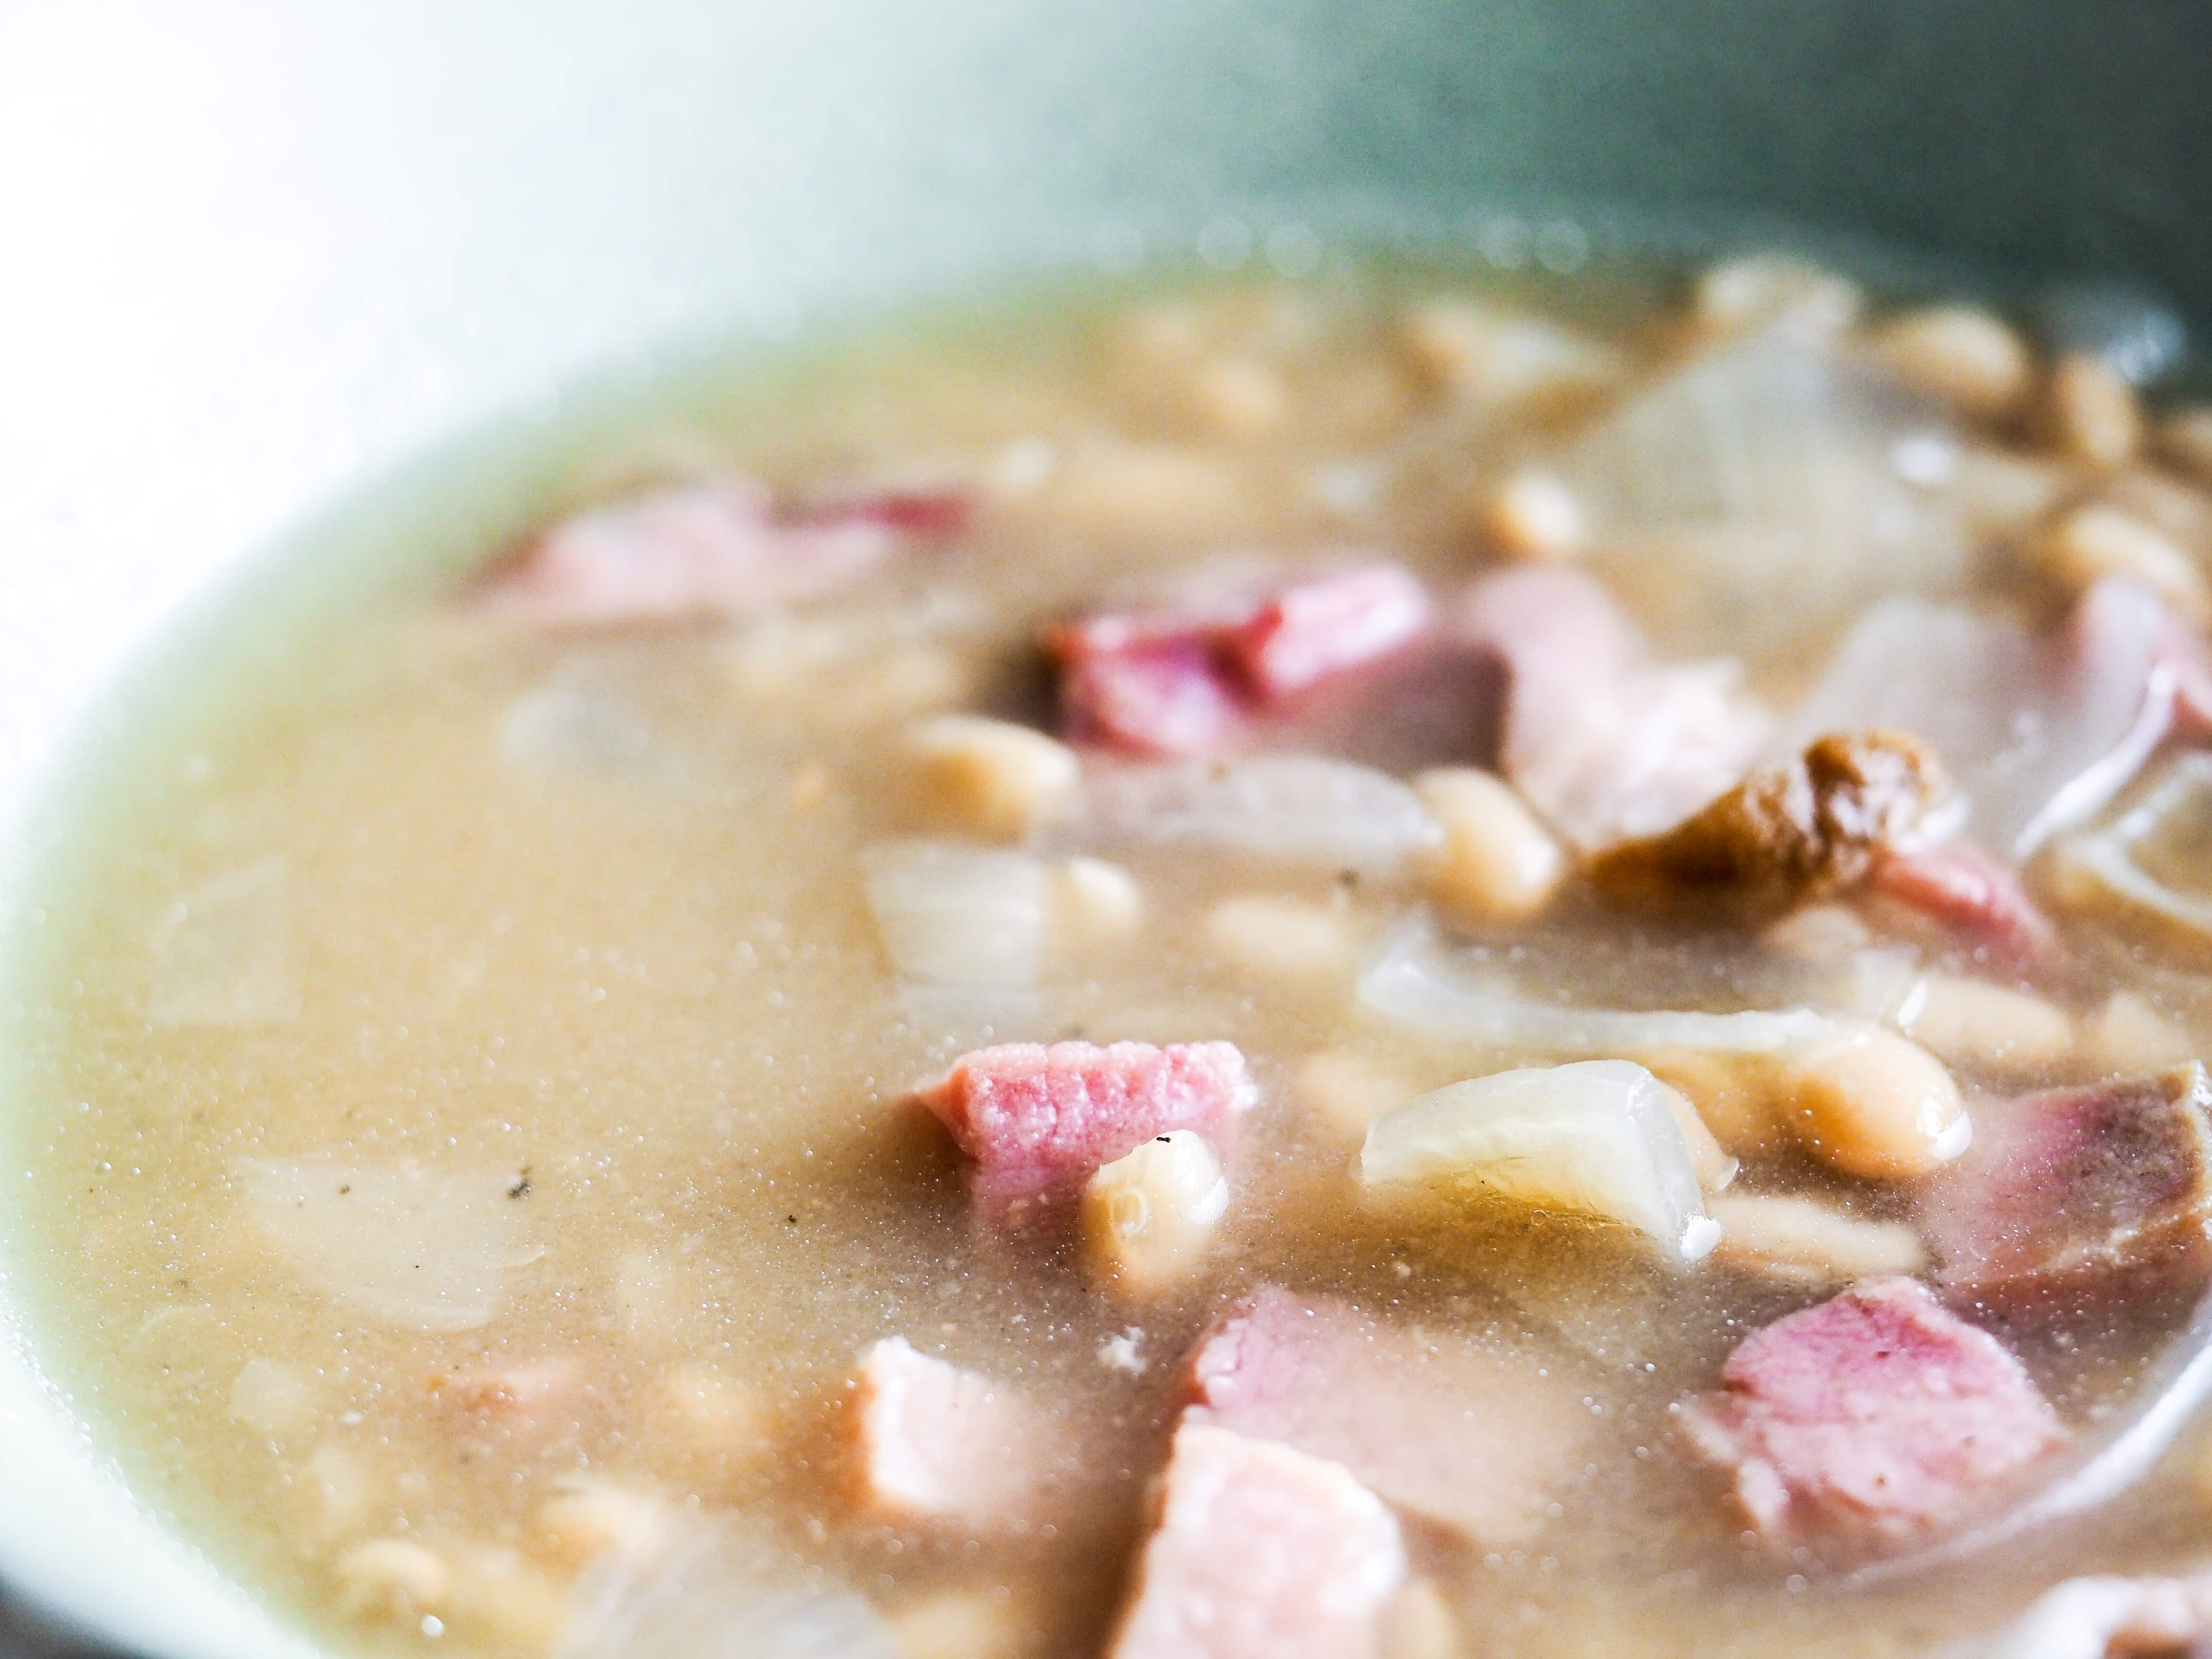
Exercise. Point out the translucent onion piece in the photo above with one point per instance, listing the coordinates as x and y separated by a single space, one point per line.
422 1249
1289 807
2141 859
2040 733
222 955
954 916
1597 1138
1764 492
1415 981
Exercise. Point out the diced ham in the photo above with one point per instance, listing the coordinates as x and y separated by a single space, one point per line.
1261 1551
718 548
2115 1178
1973 897
1195 680
935 1445
1166 698
932 514
1871 1419
1057 1112
1603 741
1443 1427
1311 630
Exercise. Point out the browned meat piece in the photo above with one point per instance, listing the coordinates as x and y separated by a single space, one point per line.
1785 835
932 1444
1872 1418
1444 1428
2073 1183
1261 1553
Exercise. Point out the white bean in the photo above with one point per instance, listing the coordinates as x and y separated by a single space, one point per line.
272 1399
1417 1624
1875 1104
1819 934
1092 903
992 777
2129 1036
1496 862
1962 355
388 1574
1809 1243
1348 1091
2098 540
1738 293
1536 517
1989 1028
1147 1217
2092 412
962 1624
1237 397
1284 939
587 1515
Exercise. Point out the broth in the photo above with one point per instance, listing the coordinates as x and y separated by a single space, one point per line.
548 950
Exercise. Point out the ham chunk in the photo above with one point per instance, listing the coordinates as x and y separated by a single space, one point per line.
1972 898
1444 1428
1055 1114
933 1445
1260 1552
1603 741
1870 1420
1198 681
718 548
2076 1184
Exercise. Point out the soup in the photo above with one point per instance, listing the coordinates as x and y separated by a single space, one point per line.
1385 965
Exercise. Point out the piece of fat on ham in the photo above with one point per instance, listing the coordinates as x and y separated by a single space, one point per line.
1604 740
1260 1552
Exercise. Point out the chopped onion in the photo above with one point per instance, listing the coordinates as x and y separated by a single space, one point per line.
2040 733
1755 497
222 955
1280 806
1416 981
2171 820
1597 1138
423 1250
954 916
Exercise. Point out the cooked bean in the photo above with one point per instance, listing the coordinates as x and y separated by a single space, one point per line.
1875 1104
344 1487
963 1624
1148 1217
1715 1168
1496 863
1962 355
1092 903
1534 515
2092 412
1819 934
272 1399
2128 1036
1985 1027
1732 1094
1349 1091
1237 397
1280 938
1809 1244
2096 541
2185 443
1753 288
992 777
388 1574
1998 492
587 1515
